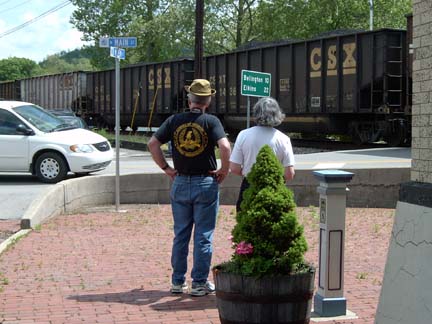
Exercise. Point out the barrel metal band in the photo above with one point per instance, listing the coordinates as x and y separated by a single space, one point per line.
279 299
302 321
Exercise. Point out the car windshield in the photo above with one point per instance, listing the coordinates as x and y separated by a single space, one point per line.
41 119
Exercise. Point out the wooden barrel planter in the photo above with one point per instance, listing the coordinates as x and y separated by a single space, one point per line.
279 299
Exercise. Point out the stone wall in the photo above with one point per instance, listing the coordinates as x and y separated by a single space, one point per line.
405 294
421 170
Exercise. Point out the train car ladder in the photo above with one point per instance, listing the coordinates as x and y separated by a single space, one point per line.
393 82
387 91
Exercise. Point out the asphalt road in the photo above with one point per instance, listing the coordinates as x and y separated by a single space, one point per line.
17 191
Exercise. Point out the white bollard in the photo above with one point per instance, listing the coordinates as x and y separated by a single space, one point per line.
329 299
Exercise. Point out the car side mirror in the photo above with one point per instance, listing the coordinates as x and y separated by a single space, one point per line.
23 129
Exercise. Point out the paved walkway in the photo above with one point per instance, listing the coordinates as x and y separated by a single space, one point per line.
106 267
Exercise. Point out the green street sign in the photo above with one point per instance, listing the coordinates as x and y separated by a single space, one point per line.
255 84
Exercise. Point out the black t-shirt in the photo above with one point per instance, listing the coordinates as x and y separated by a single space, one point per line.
194 137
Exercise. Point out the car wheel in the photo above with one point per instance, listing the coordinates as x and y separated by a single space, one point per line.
51 167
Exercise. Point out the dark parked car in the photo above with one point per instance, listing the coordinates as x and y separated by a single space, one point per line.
69 117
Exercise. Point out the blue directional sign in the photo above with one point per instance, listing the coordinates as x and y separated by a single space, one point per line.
118 42
119 53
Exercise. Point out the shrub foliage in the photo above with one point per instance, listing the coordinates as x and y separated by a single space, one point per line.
267 223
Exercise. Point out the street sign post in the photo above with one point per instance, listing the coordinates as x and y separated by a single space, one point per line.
115 44
118 53
118 42
254 84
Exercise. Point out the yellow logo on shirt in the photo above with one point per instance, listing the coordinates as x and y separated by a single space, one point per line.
190 139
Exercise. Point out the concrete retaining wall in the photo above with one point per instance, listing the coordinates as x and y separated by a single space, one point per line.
369 188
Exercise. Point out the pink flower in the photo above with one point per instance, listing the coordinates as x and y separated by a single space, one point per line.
231 239
244 248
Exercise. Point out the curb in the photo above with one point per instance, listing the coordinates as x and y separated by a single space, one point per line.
11 239
378 188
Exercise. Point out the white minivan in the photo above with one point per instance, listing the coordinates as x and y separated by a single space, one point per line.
34 140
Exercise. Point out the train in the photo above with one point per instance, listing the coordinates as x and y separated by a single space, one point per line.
356 83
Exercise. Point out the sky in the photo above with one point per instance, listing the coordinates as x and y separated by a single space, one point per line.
48 35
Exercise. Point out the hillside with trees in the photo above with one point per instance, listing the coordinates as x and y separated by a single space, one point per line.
16 68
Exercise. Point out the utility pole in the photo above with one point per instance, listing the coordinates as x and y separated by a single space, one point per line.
371 12
199 26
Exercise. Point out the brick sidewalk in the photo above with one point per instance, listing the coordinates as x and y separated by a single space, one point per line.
115 268
8 228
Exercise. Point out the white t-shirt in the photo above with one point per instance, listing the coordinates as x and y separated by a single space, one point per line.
249 142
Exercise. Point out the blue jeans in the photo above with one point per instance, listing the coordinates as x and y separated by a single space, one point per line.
194 202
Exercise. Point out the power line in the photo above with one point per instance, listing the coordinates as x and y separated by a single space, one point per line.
18 5
2 3
46 13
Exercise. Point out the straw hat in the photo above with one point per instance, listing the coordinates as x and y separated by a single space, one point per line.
200 87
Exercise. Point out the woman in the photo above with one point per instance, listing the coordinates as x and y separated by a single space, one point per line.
267 115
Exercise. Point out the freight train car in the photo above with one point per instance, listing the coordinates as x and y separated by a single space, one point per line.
352 84
356 84
10 90
149 93
57 91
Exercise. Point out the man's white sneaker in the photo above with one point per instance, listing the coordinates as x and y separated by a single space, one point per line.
202 289
179 289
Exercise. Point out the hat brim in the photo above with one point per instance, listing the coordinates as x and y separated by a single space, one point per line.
212 92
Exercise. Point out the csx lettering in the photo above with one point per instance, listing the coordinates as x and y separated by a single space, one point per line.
167 81
315 60
151 79
348 67
349 63
332 60
159 75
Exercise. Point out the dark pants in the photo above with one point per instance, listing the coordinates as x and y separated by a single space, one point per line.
243 187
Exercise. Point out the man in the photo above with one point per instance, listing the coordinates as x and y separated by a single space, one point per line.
195 189
249 142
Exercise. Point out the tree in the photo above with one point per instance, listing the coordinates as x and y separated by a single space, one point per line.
230 24
165 28
305 19
391 13
112 18
15 68
168 35
56 63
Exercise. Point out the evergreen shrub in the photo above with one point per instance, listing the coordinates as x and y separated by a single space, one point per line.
267 238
